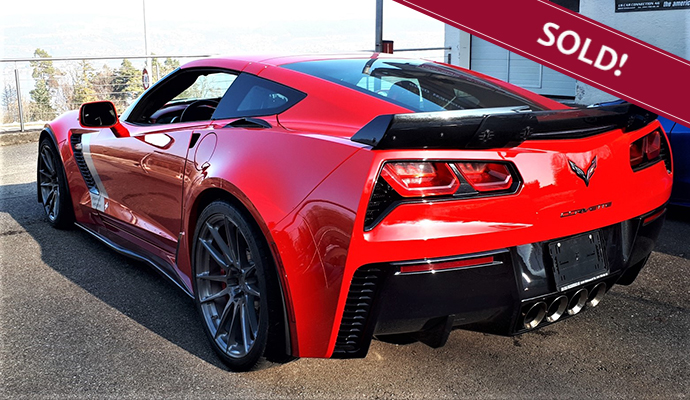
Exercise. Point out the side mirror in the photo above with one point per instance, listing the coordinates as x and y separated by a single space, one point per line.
99 114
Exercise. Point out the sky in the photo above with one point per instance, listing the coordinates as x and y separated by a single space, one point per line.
215 27
77 27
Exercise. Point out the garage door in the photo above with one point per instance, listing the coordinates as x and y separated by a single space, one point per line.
492 60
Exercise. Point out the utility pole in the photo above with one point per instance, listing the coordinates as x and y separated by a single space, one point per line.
146 38
378 47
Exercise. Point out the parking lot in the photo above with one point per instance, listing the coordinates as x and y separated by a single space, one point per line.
79 320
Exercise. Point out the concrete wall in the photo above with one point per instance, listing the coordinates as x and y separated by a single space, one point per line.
667 30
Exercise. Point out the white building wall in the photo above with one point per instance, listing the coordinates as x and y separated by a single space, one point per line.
668 30
479 55
495 61
459 43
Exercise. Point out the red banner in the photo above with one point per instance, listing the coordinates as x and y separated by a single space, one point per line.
577 46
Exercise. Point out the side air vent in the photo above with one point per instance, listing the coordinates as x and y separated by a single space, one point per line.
75 141
356 326
382 198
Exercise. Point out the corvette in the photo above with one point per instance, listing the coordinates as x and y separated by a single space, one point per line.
311 203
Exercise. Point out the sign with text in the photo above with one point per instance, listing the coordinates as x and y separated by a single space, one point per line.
575 46
646 5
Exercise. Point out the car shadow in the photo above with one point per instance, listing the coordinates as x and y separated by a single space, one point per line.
674 238
131 287
139 292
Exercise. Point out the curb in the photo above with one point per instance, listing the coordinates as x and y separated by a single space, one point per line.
9 139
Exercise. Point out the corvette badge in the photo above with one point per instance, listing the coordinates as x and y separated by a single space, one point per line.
581 174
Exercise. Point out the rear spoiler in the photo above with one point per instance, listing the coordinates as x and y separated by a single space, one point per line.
490 128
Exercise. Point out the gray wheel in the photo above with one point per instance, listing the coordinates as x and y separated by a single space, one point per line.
230 269
52 186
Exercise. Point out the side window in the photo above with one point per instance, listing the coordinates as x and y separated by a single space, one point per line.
211 86
184 96
251 96
261 98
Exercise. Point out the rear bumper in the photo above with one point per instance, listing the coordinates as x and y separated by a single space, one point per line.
491 298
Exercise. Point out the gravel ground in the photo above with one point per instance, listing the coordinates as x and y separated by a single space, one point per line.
78 320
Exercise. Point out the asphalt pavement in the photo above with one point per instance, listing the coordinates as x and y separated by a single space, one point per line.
78 320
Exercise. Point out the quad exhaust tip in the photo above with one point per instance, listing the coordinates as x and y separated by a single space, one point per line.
578 301
534 315
556 308
597 295
561 305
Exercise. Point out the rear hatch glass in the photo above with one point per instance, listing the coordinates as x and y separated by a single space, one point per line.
417 85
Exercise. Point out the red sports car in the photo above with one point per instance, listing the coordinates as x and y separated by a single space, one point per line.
309 204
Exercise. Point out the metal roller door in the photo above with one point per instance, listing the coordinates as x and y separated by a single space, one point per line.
492 60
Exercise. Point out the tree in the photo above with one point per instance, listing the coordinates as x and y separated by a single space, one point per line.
170 64
83 91
159 70
45 76
102 83
126 84
9 104
9 96
41 109
44 70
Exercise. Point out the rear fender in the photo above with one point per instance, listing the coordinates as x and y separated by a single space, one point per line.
213 189
269 172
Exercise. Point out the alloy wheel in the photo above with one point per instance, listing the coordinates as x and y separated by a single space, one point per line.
49 182
228 287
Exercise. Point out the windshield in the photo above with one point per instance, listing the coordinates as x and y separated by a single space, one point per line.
417 85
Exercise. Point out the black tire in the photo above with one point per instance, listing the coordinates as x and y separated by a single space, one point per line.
233 284
53 191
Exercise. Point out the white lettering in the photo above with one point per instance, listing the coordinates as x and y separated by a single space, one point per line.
606 59
602 54
583 53
562 38
551 37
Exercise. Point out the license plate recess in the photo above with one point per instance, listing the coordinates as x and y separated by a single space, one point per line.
578 260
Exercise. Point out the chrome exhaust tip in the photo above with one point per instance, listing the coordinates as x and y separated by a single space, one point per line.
578 301
597 294
534 315
556 308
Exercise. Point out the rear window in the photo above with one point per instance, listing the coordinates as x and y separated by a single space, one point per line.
251 96
417 85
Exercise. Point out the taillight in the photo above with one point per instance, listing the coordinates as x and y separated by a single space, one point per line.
646 150
486 177
637 152
410 181
653 145
420 179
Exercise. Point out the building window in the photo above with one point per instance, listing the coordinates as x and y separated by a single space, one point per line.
572 5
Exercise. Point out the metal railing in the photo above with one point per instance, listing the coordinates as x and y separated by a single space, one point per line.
38 89
35 90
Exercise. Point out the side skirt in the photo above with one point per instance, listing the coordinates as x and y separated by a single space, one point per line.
129 253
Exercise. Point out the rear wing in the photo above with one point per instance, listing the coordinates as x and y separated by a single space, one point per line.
490 128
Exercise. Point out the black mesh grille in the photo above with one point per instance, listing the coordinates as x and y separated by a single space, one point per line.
355 328
81 163
382 197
